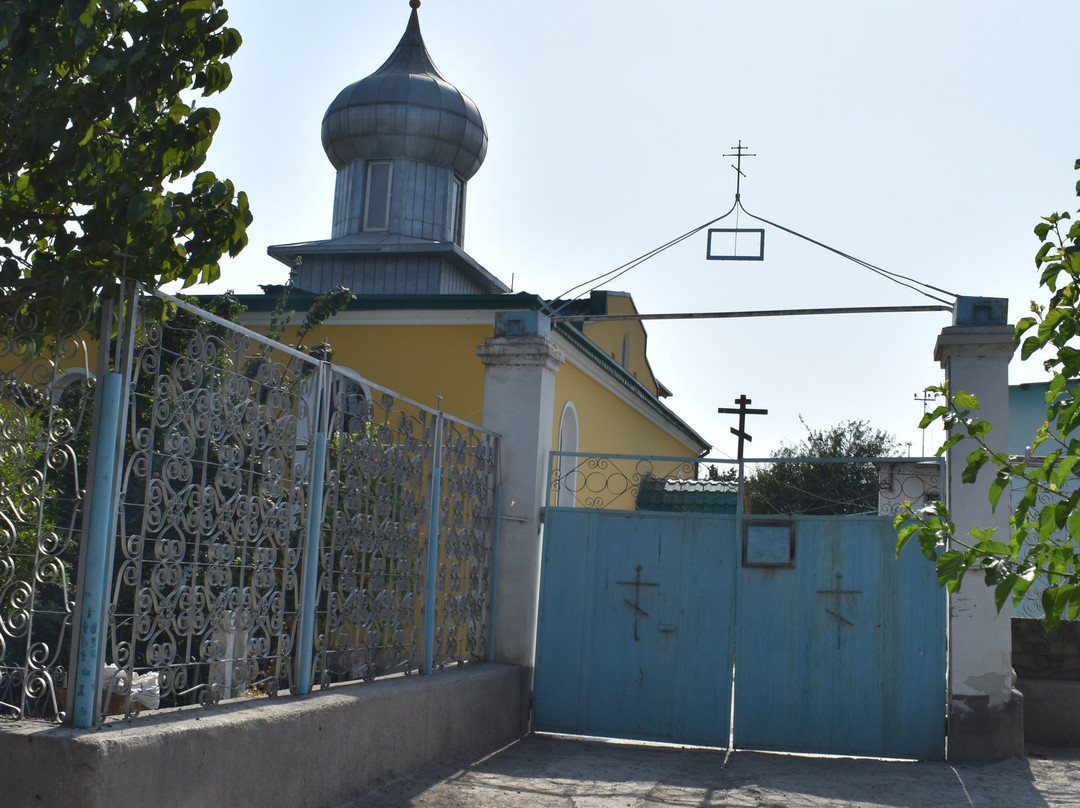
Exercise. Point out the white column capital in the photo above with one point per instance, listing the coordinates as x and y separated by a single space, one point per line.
524 351
988 341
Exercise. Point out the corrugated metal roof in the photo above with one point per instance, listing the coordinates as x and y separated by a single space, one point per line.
692 496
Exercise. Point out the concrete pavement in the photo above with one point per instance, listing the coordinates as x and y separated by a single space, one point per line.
541 771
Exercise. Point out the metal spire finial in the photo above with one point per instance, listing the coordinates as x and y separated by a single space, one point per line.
740 152
414 4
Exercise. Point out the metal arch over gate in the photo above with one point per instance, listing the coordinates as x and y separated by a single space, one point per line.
837 646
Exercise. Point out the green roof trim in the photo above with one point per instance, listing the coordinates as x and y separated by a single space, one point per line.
521 301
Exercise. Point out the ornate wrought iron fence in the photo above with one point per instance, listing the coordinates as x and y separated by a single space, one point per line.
406 570
779 486
280 524
213 499
46 392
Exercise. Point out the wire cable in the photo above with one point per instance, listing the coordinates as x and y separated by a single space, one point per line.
619 271
895 277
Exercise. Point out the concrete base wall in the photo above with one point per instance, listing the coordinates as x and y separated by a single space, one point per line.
979 732
1051 712
304 752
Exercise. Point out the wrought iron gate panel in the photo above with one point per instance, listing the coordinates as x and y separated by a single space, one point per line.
843 652
626 601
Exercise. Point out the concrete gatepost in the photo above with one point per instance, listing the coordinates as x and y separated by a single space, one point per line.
520 363
985 710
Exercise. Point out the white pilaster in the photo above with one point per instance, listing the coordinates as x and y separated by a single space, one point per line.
985 716
519 404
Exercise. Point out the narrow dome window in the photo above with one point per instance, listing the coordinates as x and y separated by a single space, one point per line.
456 204
377 195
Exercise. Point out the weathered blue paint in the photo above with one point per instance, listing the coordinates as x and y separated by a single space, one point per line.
635 630
316 505
99 538
495 542
844 653
432 579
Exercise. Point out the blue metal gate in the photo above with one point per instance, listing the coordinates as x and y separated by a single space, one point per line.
837 646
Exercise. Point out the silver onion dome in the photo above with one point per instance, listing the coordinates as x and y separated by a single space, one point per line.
406 109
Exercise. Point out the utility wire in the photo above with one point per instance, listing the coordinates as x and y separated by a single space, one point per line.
892 276
619 271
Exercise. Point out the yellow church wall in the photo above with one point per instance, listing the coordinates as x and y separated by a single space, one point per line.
608 336
415 361
607 424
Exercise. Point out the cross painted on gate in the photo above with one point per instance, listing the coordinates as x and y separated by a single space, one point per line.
637 583
841 621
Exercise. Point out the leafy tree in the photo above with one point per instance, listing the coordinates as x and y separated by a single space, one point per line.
822 488
99 124
1044 537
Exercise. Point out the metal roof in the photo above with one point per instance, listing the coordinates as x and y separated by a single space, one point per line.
406 109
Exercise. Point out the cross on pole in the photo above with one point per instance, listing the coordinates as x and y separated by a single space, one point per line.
742 411
740 152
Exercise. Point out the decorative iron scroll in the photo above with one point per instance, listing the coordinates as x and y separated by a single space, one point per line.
611 481
372 579
907 481
206 593
214 497
375 536
46 395
1031 605
466 525
835 486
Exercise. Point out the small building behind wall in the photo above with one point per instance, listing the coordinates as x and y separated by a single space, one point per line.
1047 663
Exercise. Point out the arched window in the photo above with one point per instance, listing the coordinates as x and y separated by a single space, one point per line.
566 495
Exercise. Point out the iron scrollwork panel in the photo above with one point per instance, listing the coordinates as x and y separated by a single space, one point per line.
368 618
213 508
466 520
46 404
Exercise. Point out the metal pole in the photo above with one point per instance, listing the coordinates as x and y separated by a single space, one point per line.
495 572
95 584
308 601
725 315
433 549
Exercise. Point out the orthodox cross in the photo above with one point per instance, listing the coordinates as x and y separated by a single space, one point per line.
637 583
740 152
742 411
839 593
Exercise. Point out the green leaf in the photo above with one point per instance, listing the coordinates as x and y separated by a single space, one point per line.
966 401
1004 590
950 569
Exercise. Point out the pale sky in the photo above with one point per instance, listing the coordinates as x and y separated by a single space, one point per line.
924 137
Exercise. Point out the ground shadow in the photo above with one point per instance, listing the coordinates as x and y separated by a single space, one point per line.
544 771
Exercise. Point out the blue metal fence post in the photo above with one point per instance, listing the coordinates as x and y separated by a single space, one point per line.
432 577
313 539
95 583
494 571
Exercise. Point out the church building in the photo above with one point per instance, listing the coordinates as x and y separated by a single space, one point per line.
405 142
